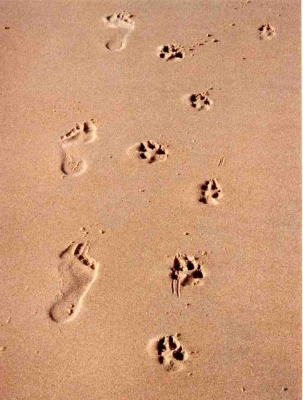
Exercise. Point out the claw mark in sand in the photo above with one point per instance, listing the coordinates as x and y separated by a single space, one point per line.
78 270
186 271
221 162
123 24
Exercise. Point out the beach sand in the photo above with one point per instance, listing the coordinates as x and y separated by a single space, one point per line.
150 197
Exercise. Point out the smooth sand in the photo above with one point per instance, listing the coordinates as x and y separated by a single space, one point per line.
220 107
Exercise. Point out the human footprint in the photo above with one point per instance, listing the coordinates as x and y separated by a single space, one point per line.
71 166
81 133
77 271
124 25
72 163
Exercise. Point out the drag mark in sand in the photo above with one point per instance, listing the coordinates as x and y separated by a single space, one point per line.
221 162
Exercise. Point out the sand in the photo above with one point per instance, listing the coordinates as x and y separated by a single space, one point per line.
150 177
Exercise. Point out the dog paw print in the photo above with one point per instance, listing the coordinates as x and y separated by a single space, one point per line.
171 353
211 192
199 101
186 271
149 151
171 52
267 31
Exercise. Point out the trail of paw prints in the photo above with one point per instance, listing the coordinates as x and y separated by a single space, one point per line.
171 52
186 271
266 32
198 101
169 352
78 270
72 164
123 24
211 192
149 151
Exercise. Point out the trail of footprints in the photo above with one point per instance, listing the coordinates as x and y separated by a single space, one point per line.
77 269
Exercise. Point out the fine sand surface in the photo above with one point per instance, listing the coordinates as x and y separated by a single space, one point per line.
150 200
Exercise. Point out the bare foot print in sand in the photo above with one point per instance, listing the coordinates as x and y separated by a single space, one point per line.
81 133
123 25
266 32
199 101
186 271
169 352
77 273
72 164
211 192
149 151
170 52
